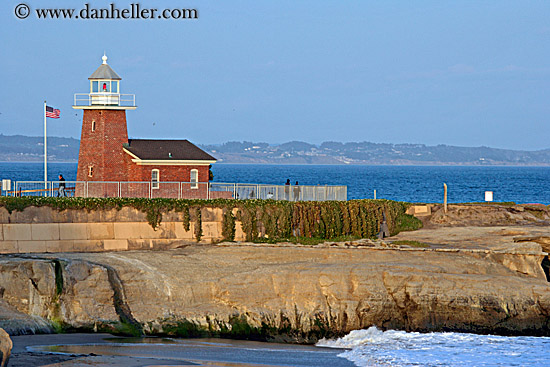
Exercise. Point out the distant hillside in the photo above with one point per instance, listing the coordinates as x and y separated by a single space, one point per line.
298 152
19 148
25 148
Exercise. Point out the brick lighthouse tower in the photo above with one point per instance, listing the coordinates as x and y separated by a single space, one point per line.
104 130
110 164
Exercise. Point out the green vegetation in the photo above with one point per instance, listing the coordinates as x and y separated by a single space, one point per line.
185 329
228 229
239 327
497 203
308 241
261 220
406 222
198 224
411 243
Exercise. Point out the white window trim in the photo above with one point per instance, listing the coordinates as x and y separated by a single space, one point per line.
93 125
155 183
194 183
109 83
90 171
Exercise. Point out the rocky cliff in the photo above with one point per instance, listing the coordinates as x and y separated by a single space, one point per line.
288 292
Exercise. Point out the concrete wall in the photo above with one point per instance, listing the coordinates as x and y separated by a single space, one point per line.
48 230
420 210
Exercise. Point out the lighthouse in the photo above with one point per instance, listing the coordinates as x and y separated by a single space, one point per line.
108 161
104 130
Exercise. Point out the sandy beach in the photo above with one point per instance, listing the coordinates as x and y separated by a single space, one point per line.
105 350
23 357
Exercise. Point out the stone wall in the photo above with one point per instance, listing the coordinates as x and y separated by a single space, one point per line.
42 229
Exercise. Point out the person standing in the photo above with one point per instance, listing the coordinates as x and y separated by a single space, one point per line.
296 191
61 190
287 189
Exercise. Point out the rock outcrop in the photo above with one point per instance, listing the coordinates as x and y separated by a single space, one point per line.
5 348
487 215
288 293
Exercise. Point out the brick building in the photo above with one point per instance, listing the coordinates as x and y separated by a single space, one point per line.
107 156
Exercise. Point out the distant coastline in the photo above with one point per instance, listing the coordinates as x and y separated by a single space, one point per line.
19 148
413 164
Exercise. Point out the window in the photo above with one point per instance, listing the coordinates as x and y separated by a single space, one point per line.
194 179
155 177
90 171
93 125
104 86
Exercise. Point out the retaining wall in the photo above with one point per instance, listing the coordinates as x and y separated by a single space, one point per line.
42 229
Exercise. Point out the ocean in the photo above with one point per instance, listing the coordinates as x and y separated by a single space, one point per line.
403 183
373 347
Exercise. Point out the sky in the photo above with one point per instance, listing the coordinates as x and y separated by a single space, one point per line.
466 73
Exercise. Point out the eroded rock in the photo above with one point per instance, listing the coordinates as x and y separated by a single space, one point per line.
5 348
291 293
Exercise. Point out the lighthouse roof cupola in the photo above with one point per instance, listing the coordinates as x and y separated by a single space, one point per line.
104 91
104 71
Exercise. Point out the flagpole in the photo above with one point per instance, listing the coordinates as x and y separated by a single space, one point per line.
45 154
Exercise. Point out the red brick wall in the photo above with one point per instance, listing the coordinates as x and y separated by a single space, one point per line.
167 173
102 148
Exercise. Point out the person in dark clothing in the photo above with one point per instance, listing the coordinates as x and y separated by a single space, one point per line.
287 189
61 190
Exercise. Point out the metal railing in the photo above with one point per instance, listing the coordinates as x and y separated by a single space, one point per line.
104 99
178 190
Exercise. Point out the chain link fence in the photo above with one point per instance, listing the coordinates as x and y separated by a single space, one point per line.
178 190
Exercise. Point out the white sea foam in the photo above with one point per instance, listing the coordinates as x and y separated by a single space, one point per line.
373 347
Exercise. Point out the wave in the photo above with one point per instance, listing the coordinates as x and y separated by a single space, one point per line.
373 347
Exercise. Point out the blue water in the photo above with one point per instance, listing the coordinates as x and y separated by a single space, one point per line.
406 183
373 347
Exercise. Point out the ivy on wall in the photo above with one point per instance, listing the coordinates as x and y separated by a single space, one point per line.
261 220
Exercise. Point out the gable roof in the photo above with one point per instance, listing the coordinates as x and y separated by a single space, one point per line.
166 150
104 71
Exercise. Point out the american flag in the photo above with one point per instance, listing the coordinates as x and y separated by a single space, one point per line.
52 112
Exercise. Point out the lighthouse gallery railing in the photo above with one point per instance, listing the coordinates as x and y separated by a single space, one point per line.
104 99
180 190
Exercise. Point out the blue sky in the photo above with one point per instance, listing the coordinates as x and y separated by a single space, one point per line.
465 73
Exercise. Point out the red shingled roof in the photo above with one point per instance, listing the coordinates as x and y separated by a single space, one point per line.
146 149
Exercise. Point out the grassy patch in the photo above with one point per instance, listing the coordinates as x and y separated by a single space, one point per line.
411 243
315 241
307 241
406 222
497 203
